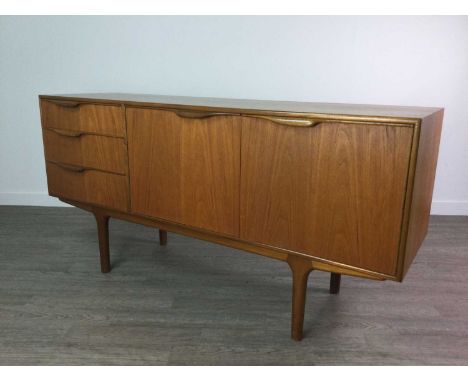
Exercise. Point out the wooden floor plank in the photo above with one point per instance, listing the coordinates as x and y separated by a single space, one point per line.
196 303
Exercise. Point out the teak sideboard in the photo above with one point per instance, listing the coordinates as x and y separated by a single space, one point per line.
340 188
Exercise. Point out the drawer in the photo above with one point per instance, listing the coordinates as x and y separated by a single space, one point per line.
89 186
89 118
86 150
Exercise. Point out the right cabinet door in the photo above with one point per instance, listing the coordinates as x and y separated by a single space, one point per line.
334 191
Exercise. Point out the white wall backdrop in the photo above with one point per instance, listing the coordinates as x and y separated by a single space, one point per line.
419 61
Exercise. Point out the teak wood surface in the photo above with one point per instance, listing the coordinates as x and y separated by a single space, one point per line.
340 188
88 118
85 185
335 189
186 170
86 150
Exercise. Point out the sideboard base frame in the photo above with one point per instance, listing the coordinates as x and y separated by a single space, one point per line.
301 265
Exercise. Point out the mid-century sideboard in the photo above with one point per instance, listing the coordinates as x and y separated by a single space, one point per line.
340 188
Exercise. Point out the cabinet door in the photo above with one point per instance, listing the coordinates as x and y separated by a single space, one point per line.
184 169
333 191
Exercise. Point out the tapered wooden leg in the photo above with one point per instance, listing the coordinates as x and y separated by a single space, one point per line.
103 234
162 237
335 280
300 269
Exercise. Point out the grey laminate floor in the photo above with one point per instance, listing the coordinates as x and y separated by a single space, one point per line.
198 303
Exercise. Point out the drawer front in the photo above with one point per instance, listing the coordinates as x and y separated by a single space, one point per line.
86 150
73 116
333 191
89 186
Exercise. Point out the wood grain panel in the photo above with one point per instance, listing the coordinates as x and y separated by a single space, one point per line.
185 170
420 208
90 151
334 191
91 118
90 186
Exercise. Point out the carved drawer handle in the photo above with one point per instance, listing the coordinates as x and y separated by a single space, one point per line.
298 122
70 167
198 114
69 104
67 133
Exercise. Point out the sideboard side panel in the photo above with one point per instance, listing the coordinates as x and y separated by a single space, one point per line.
423 186
185 170
334 191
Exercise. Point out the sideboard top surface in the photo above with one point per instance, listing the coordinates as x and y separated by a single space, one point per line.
249 106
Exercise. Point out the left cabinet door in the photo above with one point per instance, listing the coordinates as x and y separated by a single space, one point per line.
185 168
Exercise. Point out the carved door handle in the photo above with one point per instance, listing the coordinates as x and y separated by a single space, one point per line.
298 122
199 114
67 133
70 167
